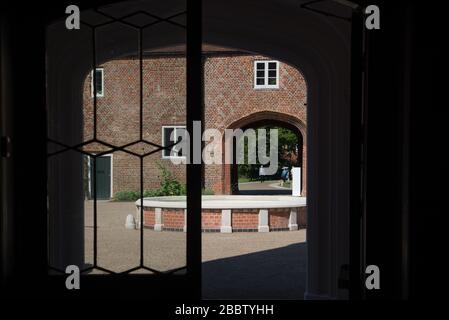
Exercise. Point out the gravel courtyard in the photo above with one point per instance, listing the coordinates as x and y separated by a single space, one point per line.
235 266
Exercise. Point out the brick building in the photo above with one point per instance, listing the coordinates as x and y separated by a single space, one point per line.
241 90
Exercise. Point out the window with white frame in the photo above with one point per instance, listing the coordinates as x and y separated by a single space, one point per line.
170 135
266 74
99 82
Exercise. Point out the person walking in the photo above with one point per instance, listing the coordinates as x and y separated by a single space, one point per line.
284 175
261 173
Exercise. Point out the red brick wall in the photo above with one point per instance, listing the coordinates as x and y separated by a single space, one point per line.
245 219
211 219
240 219
302 217
278 218
118 115
173 218
229 97
148 217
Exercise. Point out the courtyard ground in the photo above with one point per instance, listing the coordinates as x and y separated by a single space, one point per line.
235 266
271 187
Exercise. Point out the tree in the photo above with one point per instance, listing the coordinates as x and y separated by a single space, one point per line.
287 151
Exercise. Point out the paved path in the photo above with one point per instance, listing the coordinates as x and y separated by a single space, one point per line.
238 265
266 188
254 265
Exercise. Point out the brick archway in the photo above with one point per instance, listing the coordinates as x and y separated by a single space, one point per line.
258 119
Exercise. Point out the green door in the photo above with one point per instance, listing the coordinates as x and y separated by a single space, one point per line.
103 177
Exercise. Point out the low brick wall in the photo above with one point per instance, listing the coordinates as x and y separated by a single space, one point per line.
173 218
278 218
242 220
211 220
148 217
302 217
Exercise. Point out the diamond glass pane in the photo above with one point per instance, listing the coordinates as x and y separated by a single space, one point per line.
164 236
118 111
98 140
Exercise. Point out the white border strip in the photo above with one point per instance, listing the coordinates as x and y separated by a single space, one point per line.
227 202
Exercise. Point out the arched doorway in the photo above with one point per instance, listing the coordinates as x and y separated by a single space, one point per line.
261 119
313 43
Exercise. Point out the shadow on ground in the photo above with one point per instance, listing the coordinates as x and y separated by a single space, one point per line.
271 274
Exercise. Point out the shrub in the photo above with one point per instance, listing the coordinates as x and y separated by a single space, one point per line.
208 192
126 196
152 193
169 185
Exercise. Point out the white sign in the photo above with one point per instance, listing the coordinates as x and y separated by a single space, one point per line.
296 181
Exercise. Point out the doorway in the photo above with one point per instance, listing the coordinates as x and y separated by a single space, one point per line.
325 61
103 176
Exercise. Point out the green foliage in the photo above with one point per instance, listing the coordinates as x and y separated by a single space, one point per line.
169 187
287 147
207 192
126 196
152 193
243 179
287 184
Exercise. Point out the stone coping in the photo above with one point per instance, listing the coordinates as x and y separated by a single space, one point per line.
227 202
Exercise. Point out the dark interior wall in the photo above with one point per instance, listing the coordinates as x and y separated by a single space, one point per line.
405 162
383 114
27 150
24 131
428 149
6 182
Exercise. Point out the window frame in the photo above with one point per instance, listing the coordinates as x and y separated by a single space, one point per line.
35 228
92 89
265 85
175 126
